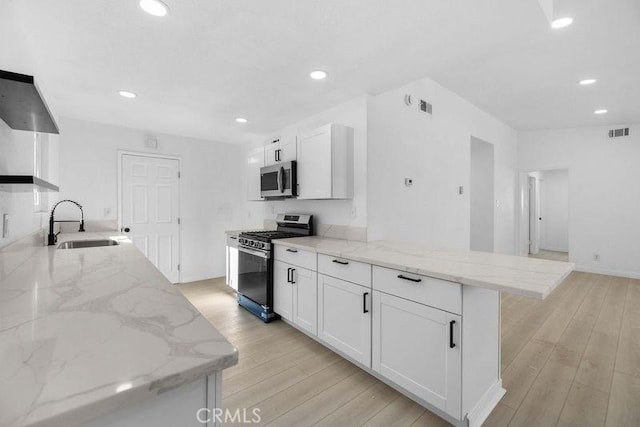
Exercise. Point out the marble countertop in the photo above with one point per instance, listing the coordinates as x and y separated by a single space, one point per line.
530 277
84 332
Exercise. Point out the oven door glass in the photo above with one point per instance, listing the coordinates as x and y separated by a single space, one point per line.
254 275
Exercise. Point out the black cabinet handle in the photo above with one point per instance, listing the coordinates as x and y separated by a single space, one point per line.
364 302
411 279
340 262
293 281
451 343
292 250
233 238
127 229
289 275
277 155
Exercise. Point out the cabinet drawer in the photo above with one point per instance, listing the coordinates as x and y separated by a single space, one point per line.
414 287
298 257
345 269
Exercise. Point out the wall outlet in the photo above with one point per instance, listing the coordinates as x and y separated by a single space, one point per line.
596 257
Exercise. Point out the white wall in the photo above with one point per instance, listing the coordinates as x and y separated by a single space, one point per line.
481 193
604 192
554 204
211 200
16 158
342 212
435 152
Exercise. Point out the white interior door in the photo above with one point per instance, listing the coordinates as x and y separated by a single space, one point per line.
149 201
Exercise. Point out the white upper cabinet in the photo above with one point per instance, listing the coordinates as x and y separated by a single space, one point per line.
280 150
255 160
325 163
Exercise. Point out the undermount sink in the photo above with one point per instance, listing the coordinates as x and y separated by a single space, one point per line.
75 244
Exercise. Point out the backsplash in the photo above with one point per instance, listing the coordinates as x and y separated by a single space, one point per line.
17 158
333 231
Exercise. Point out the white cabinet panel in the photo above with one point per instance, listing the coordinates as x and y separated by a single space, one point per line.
344 317
418 348
437 293
282 290
325 163
296 256
233 268
255 160
280 150
345 269
305 299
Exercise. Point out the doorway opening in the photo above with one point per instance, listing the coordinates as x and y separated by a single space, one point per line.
548 214
149 208
481 194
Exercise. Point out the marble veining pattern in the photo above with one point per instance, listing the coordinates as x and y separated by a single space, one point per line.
529 277
84 332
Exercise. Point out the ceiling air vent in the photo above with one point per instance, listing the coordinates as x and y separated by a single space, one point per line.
617 133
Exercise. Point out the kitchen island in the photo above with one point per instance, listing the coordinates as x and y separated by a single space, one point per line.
424 321
98 336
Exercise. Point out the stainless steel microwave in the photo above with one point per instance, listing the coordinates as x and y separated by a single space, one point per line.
279 180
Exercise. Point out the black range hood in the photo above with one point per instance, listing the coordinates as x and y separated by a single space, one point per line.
22 106
25 183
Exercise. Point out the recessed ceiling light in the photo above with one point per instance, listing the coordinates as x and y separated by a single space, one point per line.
562 22
587 82
154 7
241 120
318 75
127 94
601 111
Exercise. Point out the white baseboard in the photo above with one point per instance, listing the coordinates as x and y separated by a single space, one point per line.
478 415
608 272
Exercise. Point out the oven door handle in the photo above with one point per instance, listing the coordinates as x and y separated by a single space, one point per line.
253 252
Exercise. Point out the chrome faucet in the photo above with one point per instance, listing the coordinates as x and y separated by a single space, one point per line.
53 237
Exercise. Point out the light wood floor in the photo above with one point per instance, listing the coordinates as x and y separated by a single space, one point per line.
551 255
571 360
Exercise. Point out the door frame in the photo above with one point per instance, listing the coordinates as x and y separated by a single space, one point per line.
522 223
121 154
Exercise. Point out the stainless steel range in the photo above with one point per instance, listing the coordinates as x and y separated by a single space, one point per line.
255 262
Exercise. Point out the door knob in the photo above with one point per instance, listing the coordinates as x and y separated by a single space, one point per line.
126 229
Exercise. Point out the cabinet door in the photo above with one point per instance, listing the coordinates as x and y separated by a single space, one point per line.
314 164
288 150
227 276
255 160
271 153
344 317
305 299
233 267
282 290
413 347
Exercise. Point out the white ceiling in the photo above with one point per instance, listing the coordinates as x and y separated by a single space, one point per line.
210 61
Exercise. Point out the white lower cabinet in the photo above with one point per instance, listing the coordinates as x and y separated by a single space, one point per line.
305 299
344 317
418 348
295 295
232 265
282 290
